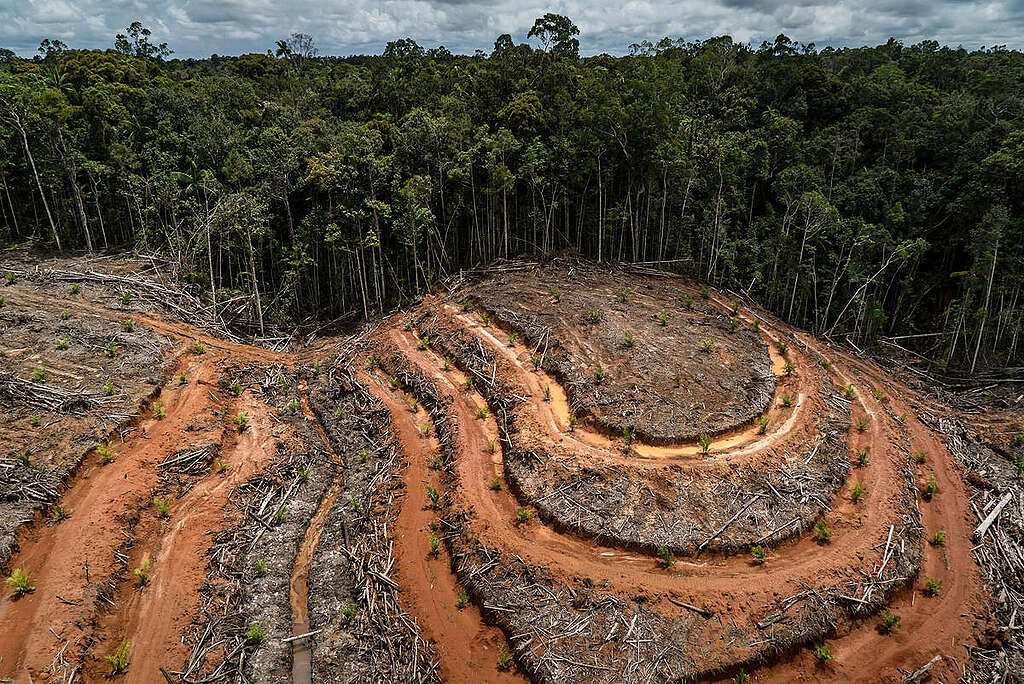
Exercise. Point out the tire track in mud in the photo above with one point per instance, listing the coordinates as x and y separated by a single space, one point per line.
302 662
468 648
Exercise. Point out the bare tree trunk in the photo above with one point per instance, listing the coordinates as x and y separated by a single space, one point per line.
988 295
39 184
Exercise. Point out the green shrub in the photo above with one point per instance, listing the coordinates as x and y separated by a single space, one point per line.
555 294
759 554
293 405
435 545
627 436
919 456
848 391
789 367
23 458
39 375
111 349
782 346
930 488
158 410
119 659
349 611
890 622
107 454
20 582
163 508
221 466
495 483
303 473
857 492
34 421
787 399
663 319
126 298
862 456
10 278
354 503
595 315
198 346
59 513
861 423
762 424
279 514
255 635
65 315
704 292
182 380
108 388
625 294
688 303
142 573
628 339
423 343
463 599
433 495
598 375
75 289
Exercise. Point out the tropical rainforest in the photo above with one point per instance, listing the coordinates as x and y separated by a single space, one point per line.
868 194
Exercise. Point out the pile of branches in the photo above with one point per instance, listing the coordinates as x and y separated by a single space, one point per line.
997 500
49 397
355 556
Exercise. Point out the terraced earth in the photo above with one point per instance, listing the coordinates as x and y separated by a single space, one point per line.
556 472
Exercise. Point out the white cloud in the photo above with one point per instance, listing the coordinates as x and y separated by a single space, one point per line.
202 27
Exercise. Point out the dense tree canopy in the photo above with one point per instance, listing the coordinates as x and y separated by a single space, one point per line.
872 192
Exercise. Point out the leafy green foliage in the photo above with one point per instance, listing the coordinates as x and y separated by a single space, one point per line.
119 660
20 582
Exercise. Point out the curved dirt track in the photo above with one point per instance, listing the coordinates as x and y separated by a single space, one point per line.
731 584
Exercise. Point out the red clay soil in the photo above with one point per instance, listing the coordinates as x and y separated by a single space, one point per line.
731 584
467 648
112 515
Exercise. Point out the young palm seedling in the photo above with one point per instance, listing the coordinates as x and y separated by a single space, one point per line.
625 294
762 424
627 437
932 587
142 572
293 405
59 513
39 375
221 466
861 423
522 515
75 289
688 303
628 339
126 298
857 492
435 545
848 391
182 379
495 483
24 458
108 388
163 509
595 315
930 488
241 421
890 622
822 534
862 456
666 557
663 319
34 421
260 569
786 399
782 346
255 635
118 661
758 553
434 496
198 346
823 654
20 582
707 344
789 367
63 343
504 660
938 539
462 600
107 455
598 375
919 456
555 294
158 410
111 349
704 440
127 325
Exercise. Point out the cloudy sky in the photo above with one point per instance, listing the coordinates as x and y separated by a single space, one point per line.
198 28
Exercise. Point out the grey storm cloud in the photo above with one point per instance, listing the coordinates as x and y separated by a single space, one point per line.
198 28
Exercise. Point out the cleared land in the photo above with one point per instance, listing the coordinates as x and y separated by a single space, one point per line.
552 472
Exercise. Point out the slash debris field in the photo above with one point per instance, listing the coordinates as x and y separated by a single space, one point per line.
554 472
